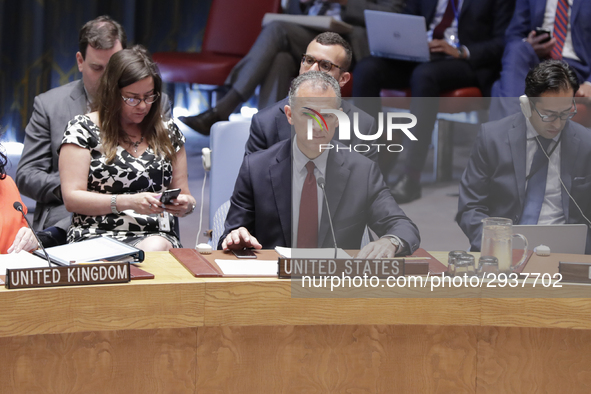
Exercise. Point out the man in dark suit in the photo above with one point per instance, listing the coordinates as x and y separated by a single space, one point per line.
524 167
270 185
570 41
280 46
270 125
37 175
466 39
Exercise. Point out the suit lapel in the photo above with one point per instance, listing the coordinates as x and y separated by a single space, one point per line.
575 11
568 157
465 6
537 12
430 6
517 143
337 177
280 173
282 125
77 104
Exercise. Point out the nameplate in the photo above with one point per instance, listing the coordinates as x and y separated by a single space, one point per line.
575 272
382 268
73 275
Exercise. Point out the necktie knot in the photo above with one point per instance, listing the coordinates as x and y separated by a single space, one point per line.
545 142
310 167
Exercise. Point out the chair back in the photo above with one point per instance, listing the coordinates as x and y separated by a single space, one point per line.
219 219
227 153
234 25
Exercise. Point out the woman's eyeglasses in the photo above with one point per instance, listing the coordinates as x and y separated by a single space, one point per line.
134 101
323 65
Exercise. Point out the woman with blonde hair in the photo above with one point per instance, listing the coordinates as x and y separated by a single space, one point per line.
117 161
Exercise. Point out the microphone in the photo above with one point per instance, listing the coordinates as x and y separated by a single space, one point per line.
19 207
321 182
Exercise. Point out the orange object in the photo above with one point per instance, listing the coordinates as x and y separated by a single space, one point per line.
11 220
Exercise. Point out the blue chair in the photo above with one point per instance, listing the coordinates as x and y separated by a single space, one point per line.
227 153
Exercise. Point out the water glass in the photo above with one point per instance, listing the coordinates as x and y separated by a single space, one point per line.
488 265
465 265
451 261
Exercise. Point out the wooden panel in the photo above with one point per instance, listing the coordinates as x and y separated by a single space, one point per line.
99 308
270 303
537 312
528 360
146 361
336 359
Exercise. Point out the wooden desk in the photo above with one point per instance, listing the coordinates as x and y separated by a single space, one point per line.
179 334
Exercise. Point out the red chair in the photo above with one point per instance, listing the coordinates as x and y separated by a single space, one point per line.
583 115
232 27
466 100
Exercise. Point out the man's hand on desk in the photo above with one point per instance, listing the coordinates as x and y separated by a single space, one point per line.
380 249
240 239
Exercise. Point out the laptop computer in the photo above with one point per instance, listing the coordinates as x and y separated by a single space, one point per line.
397 36
561 238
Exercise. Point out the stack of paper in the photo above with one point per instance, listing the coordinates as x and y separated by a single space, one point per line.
20 260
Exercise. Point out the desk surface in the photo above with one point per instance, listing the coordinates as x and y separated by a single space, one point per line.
175 299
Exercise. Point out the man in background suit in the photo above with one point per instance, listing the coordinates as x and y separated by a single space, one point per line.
270 125
270 185
37 175
472 60
567 20
274 56
518 163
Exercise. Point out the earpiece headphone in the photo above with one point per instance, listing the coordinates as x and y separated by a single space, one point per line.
525 106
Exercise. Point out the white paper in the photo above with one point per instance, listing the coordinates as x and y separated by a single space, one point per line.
20 260
252 267
313 253
90 250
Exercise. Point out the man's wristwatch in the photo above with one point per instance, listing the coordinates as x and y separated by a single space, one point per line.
395 241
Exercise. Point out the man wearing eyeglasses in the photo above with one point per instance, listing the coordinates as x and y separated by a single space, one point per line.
272 60
37 175
533 167
330 53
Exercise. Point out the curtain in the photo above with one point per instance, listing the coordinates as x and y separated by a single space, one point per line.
39 41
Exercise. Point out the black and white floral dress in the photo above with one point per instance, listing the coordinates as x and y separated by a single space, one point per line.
124 175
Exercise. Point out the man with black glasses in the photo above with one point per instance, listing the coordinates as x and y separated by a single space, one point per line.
37 175
273 59
330 53
533 167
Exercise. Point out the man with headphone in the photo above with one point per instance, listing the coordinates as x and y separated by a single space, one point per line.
533 167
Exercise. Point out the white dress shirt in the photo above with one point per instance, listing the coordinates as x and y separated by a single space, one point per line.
299 173
551 212
568 50
439 12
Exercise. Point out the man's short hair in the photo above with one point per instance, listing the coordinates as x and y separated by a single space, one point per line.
101 33
318 79
331 38
550 76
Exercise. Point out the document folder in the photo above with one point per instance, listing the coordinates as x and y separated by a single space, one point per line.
96 249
